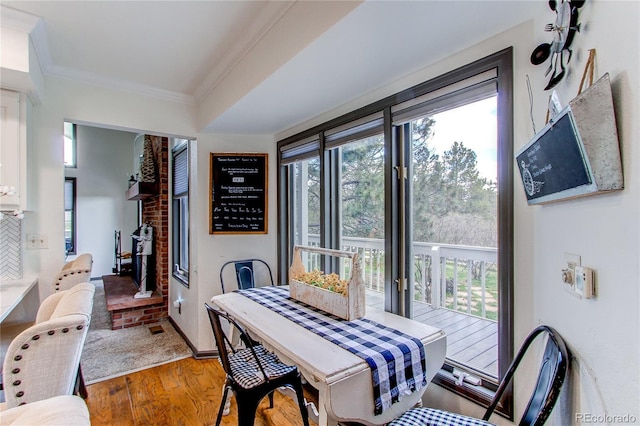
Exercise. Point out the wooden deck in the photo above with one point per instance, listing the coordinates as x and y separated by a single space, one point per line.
471 340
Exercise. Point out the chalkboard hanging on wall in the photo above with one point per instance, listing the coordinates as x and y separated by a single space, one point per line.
577 153
238 193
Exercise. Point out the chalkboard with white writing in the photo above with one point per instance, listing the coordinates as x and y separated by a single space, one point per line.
554 165
238 193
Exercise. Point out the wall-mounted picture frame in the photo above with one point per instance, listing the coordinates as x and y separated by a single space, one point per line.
238 201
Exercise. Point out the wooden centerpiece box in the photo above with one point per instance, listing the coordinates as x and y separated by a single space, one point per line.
346 300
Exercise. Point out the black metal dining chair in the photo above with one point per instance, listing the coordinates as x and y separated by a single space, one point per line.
245 273
252 372
553 369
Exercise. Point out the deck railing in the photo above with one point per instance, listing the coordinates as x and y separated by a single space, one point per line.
462 278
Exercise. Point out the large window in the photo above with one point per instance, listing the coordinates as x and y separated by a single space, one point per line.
180 212
420 184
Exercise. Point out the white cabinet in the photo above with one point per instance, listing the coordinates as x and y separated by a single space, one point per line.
13 150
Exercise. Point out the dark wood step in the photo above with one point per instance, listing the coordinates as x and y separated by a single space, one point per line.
119 292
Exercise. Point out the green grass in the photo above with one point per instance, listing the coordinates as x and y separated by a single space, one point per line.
491 288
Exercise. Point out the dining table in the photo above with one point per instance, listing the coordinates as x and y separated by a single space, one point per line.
342 378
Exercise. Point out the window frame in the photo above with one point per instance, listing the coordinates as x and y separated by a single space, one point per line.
502 62
74 145
180 201
74 214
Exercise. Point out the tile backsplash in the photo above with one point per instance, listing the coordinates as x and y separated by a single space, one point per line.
10 247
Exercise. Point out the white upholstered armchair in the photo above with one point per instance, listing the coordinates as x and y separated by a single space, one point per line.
73 272
44 360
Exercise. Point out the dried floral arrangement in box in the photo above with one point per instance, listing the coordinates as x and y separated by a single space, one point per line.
331 282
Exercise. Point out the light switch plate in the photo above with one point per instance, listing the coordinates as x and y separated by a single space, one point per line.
584 282
569 274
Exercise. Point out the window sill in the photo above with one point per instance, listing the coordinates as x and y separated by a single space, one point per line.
480 394
182 279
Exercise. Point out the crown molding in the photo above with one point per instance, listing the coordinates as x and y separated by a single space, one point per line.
268 19
17 19
119 85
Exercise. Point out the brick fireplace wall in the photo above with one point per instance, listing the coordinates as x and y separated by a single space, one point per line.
155 211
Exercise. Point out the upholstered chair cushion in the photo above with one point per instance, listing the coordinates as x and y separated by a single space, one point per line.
67 410
432 417
246 371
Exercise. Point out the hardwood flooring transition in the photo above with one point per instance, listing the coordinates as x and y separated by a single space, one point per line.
186 392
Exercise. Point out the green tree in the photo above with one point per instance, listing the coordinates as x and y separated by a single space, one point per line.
427 180
452 203
363 188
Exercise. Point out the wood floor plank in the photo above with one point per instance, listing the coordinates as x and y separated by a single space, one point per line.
109 403
186 392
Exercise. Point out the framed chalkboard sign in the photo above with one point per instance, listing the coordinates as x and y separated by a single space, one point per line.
238 193
554 164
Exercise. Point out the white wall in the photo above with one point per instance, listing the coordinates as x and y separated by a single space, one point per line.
214 250
603 334
209 252
104 163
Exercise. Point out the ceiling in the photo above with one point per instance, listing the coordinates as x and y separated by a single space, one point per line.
189 51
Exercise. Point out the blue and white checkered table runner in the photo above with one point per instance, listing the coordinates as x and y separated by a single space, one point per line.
397 360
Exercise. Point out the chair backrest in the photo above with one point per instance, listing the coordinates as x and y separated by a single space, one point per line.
245 273
43 360
76 300
224 343
73 272
553 369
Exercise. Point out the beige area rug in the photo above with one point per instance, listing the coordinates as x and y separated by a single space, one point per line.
111 353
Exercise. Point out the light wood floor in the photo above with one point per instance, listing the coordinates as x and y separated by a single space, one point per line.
185 392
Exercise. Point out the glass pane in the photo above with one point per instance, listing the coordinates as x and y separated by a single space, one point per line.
68 232
454 240
305 208
69 196
362 212
69 145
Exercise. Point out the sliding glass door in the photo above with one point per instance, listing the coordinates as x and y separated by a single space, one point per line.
420 185
453 218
